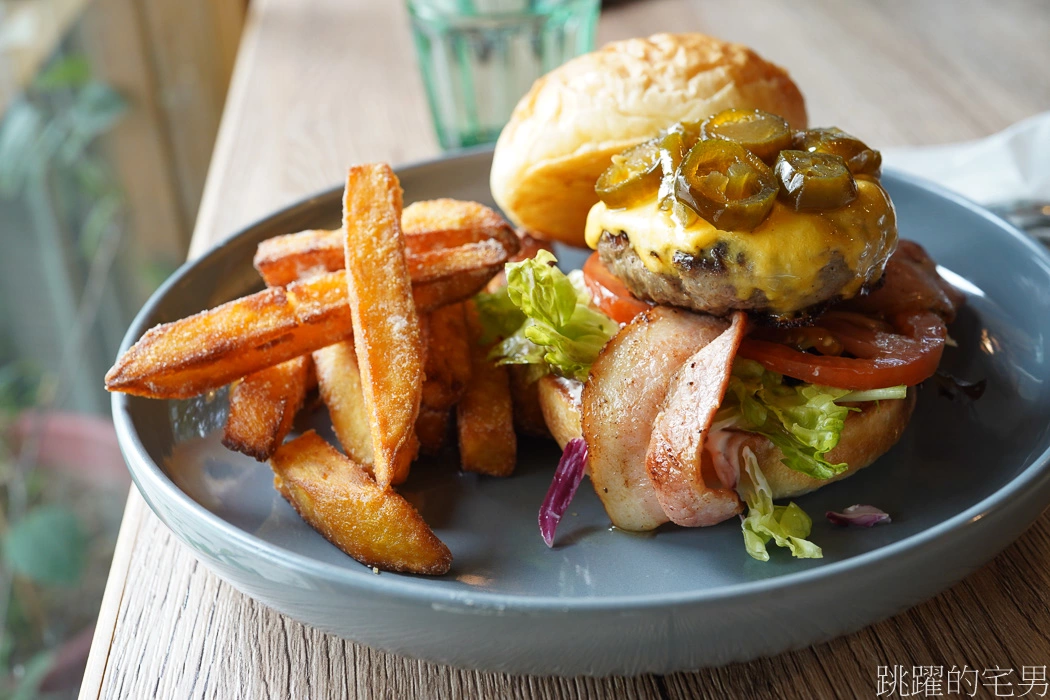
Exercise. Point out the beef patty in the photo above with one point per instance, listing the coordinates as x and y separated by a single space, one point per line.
705 282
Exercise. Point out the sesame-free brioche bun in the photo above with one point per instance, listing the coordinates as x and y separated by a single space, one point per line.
564 132
866 436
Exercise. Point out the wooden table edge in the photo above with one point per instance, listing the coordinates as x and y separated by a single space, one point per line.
135 512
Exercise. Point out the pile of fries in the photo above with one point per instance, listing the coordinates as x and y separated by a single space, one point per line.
377 315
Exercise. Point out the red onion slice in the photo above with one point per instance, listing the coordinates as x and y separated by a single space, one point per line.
861 516
563 487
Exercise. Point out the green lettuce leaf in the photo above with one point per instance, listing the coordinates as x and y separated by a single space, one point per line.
499 317
555 325
892 392
803 421
788 526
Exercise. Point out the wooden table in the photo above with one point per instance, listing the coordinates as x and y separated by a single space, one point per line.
323 83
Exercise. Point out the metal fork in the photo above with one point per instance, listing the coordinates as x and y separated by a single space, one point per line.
1028 215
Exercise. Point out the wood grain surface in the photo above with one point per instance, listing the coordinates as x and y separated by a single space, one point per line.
322 83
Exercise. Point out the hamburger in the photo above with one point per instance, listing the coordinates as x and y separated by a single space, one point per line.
749 326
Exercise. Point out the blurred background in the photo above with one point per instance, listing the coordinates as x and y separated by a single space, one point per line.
108 114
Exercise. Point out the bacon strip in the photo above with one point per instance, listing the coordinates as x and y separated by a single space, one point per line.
674 460
623 395
911 284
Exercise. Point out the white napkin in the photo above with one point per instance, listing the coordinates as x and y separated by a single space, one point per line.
1011 165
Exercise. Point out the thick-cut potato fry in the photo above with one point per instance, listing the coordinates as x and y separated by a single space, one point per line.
455 255
527 249
484 417
432 428
448 357
430 254
339 381
529 246
338 498
385 324
438 293
448 263
311 376
263 407
525 398
283 259
447 374
449 223
450 215
211 349
432 229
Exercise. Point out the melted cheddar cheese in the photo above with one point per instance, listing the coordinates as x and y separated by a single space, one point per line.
783 257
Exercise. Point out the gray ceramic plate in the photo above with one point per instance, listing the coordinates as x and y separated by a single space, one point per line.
964 482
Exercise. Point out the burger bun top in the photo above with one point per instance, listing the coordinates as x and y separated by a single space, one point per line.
564 132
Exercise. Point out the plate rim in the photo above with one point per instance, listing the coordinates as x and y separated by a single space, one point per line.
1034 479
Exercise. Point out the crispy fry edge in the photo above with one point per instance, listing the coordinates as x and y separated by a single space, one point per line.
337 498
484 416
263 407
386 326
339 382
452 273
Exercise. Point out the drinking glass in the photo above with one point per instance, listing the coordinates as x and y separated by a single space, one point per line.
478 57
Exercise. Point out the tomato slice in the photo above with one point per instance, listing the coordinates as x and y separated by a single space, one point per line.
909 355
610 294
904 349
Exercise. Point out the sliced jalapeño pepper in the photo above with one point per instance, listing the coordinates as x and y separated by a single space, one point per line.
674 144
814 181
726 184
762 133
860 159
633 177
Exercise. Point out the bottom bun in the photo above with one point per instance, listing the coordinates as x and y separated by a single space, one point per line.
560 401
866 436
